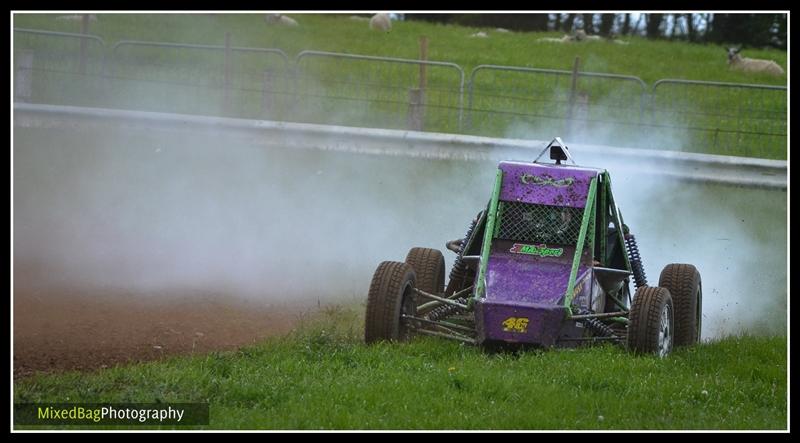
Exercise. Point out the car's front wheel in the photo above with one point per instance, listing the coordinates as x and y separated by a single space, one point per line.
390 296
651 328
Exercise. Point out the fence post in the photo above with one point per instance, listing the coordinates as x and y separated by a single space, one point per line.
648 107
423 82
84 30
266 94
572 94
415 109
23 76
470 91
227 79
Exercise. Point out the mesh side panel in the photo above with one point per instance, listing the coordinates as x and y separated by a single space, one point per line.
530 223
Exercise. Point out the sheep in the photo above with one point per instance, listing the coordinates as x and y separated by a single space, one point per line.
380 22
78 17
563 39
480 35
502 30
280 19
578 36
745 64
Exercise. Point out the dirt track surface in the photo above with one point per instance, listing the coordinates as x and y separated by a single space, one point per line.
63 330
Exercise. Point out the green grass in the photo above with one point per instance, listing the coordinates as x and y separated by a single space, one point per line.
324 377
708 119
649 60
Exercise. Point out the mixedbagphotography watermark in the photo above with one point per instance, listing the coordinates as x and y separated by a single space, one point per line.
152 414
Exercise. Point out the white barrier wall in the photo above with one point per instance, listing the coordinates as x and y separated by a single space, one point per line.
747 172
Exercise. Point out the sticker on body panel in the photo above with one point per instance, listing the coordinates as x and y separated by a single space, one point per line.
527 179
515 324
540 250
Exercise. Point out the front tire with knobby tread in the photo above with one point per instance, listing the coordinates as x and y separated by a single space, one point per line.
648 331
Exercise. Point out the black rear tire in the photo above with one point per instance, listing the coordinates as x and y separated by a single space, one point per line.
389 298
683 283
651 328
428 264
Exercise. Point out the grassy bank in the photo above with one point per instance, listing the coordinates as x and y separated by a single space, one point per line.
324 377
649 60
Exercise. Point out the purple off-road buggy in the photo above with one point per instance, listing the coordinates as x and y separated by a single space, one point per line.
548 263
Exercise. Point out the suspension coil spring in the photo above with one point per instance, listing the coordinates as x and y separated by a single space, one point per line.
459 270
444 311
639 278
597 327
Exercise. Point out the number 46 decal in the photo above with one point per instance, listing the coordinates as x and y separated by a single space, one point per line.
515 324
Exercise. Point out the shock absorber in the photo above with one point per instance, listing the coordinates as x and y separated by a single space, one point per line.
639 278
459 270
596 326
444 311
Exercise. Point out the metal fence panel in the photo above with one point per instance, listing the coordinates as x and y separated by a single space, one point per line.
57 67
199 79
722 118
358 90
518 102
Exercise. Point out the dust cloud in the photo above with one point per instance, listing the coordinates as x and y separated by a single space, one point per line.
157 212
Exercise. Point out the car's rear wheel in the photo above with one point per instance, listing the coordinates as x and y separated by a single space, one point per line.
685 287
651 327
390 296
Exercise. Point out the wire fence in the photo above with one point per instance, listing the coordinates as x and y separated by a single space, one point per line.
357 90
748 119
222 80
585 107
379 91
57 67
